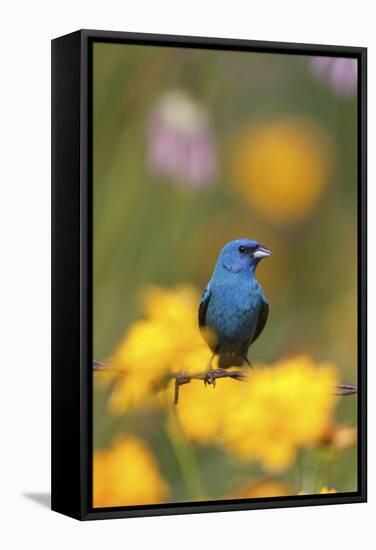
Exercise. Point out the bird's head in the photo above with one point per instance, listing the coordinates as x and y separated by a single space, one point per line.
242 255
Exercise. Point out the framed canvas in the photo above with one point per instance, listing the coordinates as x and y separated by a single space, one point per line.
208 274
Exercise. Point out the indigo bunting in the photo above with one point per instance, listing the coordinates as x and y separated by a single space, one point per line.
233 310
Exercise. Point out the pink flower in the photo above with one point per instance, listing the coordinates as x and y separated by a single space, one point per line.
339 72
181 145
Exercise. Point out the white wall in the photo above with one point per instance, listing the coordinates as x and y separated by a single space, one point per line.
26 30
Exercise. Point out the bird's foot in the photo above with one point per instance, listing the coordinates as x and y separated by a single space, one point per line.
209 378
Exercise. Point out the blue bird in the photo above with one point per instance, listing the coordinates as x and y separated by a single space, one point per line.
233 310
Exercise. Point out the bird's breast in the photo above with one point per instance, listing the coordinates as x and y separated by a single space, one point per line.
232 314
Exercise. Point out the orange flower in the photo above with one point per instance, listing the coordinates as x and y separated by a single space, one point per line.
261 489
282 167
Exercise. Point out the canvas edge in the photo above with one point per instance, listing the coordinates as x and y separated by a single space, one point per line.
65 274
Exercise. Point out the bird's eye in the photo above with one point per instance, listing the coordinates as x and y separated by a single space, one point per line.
242 249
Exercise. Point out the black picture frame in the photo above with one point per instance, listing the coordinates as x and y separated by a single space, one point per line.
72 274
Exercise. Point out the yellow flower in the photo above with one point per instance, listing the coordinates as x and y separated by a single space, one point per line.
104 377
278 410
261 489
282 167
323 491
201 409
282 408
167 339
126 474
326 490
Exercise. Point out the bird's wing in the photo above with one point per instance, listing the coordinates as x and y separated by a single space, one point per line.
262 318
204 306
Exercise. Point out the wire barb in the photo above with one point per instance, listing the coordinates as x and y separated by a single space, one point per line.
208 376
346 389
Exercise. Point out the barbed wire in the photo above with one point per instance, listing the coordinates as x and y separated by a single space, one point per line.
210 376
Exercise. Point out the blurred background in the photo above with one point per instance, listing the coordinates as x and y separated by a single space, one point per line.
194 148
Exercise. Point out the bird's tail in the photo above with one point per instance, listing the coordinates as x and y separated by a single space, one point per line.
227 361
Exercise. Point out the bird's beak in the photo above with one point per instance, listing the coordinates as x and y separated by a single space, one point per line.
262 252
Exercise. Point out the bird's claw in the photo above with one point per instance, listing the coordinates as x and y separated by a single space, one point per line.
247 362
209 378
